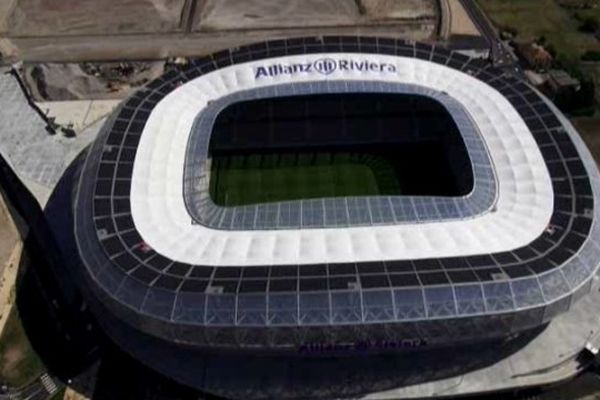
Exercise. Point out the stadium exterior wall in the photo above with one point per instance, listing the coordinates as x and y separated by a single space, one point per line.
216 320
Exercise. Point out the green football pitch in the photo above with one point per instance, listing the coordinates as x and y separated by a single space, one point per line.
263 178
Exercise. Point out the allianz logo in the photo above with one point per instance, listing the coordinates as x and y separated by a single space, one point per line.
323 66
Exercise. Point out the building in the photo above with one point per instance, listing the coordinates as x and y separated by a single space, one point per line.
470 45
536 79
535 55
504 249
559 81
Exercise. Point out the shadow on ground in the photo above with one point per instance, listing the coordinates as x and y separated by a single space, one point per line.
64 334
56 320
121 377
49 304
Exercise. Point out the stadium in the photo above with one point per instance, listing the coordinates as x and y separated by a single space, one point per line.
315 195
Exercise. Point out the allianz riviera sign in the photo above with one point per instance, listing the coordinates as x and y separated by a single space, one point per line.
323 66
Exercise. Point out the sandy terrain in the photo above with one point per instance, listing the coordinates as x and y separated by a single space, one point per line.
234 14
107 30
145 47
38 18
8 235
399 9
6 7
460 23
8 51
10 254
76 17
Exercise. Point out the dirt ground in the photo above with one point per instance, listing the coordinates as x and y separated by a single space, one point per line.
109 30
401 9
75 17
35 18
15 353
49 81
8 237
6 7
234 14
252 14
460 22
18 362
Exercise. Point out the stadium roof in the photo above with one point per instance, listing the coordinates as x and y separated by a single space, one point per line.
520 213
335 212
518 253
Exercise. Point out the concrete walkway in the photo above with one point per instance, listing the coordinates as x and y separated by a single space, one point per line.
38 158
548 359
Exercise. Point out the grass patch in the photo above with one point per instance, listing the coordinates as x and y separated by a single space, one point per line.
535 18
592 69
588 13
251 179
19 364
588 128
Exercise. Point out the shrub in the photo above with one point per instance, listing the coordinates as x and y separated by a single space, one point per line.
581 101
591 55
589 25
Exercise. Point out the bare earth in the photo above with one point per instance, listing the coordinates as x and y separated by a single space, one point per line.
6 7
78 17
8 236
108 30
460 23
234 14
11 357
400 9
80 81
35 18
12 350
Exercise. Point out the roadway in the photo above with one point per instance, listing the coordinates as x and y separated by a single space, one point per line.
501 54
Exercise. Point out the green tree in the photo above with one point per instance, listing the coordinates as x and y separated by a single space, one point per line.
589 25
581 101
591 55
